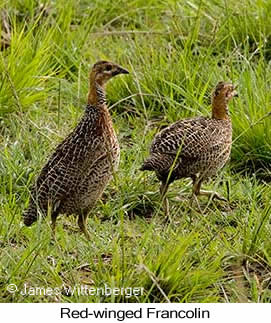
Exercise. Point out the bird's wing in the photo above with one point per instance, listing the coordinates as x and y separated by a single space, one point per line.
187 139
65 169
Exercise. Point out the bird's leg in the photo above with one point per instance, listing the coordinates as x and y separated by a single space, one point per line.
163 191
82 223
196 185
53 223
196 191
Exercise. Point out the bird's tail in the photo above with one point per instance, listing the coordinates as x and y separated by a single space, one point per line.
30 215
147 165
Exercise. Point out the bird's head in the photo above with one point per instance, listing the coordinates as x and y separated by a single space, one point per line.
222 94
103 71
224 91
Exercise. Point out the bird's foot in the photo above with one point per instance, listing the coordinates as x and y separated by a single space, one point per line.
86 233
180 198
213 195
194 198
166 210
82 223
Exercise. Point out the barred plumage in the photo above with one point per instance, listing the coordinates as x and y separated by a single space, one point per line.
82 165
196 147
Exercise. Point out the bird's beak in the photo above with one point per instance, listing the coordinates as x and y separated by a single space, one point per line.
235 93
120 70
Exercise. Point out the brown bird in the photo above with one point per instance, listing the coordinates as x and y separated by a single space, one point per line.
77 173
195 148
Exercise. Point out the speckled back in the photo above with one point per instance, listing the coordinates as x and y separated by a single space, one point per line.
192 146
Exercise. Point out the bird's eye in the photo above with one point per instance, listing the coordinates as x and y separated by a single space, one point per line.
108 68
217 91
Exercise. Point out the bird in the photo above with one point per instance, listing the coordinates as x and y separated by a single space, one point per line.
82 165
194 148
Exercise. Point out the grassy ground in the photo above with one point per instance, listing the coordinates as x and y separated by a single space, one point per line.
176 52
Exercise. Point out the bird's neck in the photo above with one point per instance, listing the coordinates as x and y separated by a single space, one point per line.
97 100
220 109
96 94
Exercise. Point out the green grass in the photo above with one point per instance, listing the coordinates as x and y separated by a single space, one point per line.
176 52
